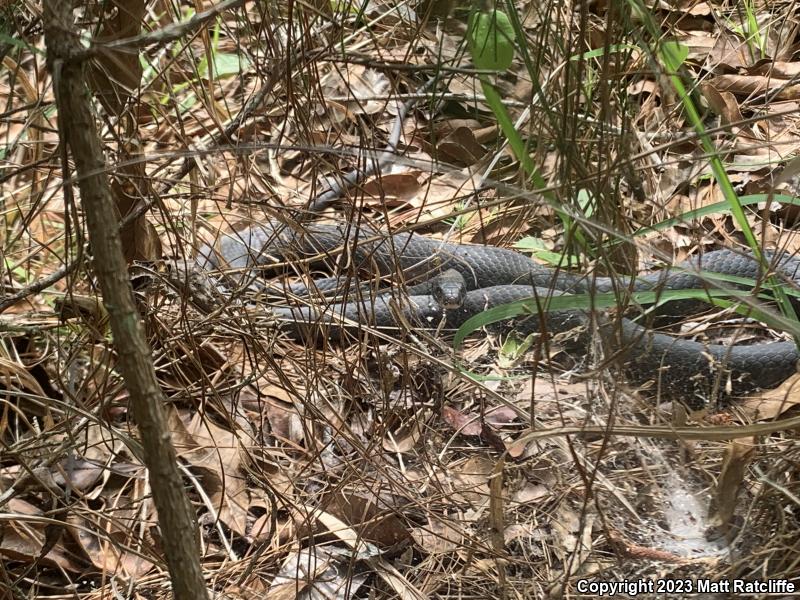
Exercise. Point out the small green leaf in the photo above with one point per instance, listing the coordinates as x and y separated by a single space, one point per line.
7 39
673 55
491 40
514 348
539 249
226 65
586 202
530 244
598 52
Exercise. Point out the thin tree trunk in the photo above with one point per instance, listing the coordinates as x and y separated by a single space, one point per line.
79 133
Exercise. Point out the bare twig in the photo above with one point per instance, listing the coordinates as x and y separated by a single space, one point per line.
38 286
162 36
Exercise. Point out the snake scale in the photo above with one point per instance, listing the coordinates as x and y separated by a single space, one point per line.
684 369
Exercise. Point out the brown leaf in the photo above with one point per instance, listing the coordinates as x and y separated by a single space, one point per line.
106 536
438 537
770 404
373 524
218 454
642 86
404 439
530 492
471 479
778 69
462 423
492 438
436 198
501 415
718 50
737 457
572 540
392 188
754 85
722 103
23 538
286 529
215 454
78 474
460 147
320 567
284 420
115 74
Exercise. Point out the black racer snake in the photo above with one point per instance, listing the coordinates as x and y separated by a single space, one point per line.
684 369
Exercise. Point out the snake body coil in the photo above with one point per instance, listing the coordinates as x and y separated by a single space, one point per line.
495 276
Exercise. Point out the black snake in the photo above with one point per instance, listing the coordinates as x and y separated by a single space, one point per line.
495 276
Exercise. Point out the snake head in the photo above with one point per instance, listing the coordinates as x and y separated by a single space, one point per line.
449 289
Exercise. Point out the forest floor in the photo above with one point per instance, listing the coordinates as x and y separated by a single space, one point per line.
397 466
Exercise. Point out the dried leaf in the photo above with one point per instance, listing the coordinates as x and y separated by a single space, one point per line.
572 536
470 480
722 103
530 492
770 404
115 75
737 458
22 538
463 424
754 85
404 439
438 537
316 572
460 148
380 527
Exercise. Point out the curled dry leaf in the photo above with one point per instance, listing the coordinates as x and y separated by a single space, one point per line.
285 422
731 478
436 198
379 526
23 537
752 85
770 404
720 51
470 480
353 90
501 415
462 423
438 537
117 539
724 104
393 189
530 492
572 536
403 439
215 454
316 572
